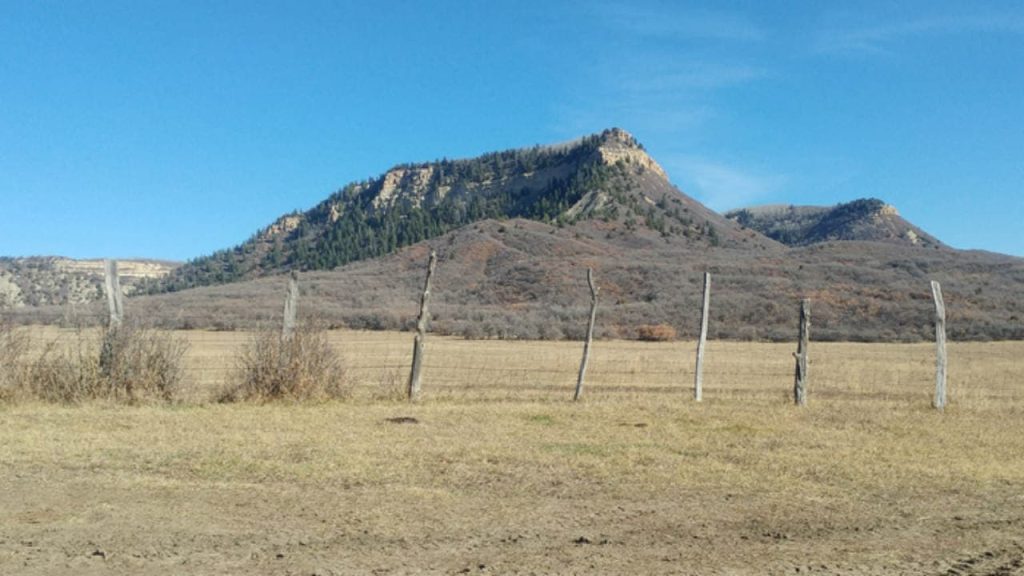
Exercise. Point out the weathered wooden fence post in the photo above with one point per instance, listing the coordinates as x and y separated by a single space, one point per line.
286 349
800 386
698 379
590 334
291 308
115 316
112 289
940 347
421 332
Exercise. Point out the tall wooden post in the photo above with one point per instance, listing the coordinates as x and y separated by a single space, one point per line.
421 332
112 289
800 386
115 316
590 334
291 308
939 402
698 378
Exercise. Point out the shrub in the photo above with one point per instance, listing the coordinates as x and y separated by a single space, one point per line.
472 331
303 367
127 364
656 332
551 332
375 320
13 347
141 363
66 374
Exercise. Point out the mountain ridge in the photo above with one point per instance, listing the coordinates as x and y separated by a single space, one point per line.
515 232
606 176
866 219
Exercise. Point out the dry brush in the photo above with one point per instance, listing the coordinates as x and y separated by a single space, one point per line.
300 366
127 364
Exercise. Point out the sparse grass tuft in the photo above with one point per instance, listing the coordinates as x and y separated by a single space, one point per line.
303 367
391 386
542 419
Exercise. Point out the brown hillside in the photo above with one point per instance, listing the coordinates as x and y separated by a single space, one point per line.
526 279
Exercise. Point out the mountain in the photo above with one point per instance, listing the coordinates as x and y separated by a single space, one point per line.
53 280
515 232
864 220
607 177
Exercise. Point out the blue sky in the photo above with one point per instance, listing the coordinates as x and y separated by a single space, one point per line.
173 129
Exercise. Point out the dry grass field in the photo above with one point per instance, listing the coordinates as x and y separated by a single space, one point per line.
499 473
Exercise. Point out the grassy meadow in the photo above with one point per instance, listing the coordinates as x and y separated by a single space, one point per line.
496 471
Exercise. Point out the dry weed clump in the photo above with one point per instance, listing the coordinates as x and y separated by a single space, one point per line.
391 386
142 363
303 367
13 347
127 364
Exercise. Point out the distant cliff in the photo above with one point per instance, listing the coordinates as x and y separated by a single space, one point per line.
53 280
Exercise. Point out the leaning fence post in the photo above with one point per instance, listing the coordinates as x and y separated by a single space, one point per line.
590 334
421 332
800 386
115 315
940 347
698 379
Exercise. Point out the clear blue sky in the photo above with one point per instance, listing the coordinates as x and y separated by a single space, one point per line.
190 125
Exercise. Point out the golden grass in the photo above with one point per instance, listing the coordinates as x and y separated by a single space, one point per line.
488 370
502 470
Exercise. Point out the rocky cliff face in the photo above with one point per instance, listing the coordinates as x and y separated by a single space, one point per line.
518 172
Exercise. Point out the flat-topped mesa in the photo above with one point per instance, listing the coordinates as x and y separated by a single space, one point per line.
57 281
414 186
127 268
617 144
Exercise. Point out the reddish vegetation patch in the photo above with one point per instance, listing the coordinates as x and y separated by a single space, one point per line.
656 333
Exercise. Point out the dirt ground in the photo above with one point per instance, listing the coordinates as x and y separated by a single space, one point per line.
483 477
